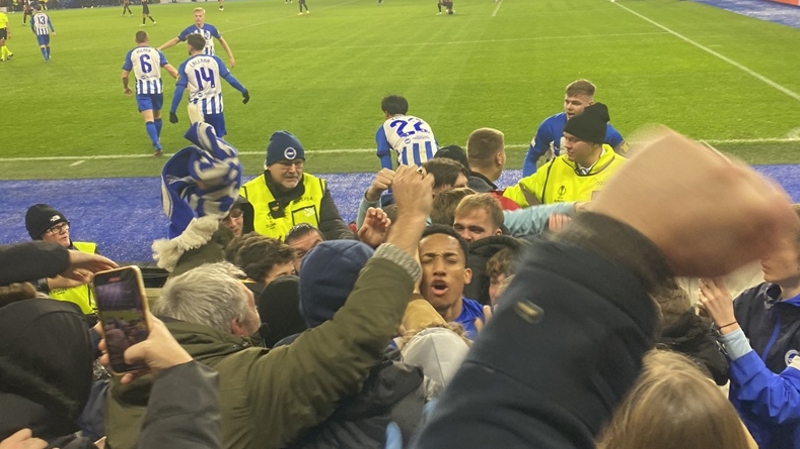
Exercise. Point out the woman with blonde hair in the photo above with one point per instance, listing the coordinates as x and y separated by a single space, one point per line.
673 405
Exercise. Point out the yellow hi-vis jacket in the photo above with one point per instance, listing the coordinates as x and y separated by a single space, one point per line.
81 295
267 220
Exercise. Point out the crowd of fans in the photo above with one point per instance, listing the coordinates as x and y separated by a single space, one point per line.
450 314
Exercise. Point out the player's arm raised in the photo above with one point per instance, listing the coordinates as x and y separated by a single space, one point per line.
169 43
126 89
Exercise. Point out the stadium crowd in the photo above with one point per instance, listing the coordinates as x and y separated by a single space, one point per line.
450 314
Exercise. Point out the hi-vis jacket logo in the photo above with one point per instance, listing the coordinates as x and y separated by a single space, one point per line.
562 191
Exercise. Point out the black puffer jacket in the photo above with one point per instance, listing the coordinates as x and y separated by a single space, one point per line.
692 336
392 393
45 367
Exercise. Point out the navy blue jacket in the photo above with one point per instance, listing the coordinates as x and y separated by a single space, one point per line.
768 404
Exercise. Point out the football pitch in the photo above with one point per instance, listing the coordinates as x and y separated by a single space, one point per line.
724 78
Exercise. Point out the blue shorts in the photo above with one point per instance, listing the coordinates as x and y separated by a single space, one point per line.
218 122
150 101
43 39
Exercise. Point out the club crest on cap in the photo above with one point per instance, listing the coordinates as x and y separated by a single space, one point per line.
290 153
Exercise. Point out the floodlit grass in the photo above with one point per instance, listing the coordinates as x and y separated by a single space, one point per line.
322 76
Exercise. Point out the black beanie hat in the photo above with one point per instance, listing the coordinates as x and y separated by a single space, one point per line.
590 125
40 218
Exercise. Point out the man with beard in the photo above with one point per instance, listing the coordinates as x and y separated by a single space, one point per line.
283 196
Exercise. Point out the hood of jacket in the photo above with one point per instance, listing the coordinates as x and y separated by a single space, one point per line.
439 352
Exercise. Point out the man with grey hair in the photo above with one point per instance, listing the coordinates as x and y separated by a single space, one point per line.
211 294
270 397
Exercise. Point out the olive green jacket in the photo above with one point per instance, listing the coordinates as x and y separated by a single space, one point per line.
269 397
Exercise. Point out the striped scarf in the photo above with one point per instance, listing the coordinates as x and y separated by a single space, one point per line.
201 180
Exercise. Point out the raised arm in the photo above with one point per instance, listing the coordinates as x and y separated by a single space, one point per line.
169 43
330 361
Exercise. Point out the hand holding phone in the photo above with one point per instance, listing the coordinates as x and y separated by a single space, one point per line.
122 312
159 352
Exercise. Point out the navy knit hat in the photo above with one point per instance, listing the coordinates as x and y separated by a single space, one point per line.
327 277
590 125
40 218
284 146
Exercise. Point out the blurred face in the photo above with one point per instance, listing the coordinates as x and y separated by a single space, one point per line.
475 224
279 270
287 174
234 221
579 151
575 104
783 266
199 18
444 272
496 287
58 234
252 323
461 181
303 245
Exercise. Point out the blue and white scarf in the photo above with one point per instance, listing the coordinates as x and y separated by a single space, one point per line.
201 180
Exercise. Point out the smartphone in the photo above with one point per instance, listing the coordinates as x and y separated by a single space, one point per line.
122 310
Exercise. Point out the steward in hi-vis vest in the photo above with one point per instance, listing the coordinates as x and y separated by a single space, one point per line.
580 172
46 223
284 196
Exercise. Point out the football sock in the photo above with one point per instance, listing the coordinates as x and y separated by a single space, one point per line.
151 131
144 20
158 124
3 52
48 52
151 18
44 53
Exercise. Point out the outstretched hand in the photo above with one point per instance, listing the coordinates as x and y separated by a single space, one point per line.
173 117
82 265
706 213
375 227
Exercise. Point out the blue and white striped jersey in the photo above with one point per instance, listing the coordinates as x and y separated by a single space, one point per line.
410 137
203 74
145 62
209 32
41 24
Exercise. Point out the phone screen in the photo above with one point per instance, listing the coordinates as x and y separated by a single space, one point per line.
121 310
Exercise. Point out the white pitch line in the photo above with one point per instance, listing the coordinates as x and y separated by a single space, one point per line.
730 61
77 163
498 8
339 151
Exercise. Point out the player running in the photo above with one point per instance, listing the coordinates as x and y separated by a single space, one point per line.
42 27
208 31
201 73
145 62
126 6
146 13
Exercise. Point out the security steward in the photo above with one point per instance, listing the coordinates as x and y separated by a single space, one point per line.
284 196
46 223
580 171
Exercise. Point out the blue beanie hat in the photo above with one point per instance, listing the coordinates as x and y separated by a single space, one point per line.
284 146
327 277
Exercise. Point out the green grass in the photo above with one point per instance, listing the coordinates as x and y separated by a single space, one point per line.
322 76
